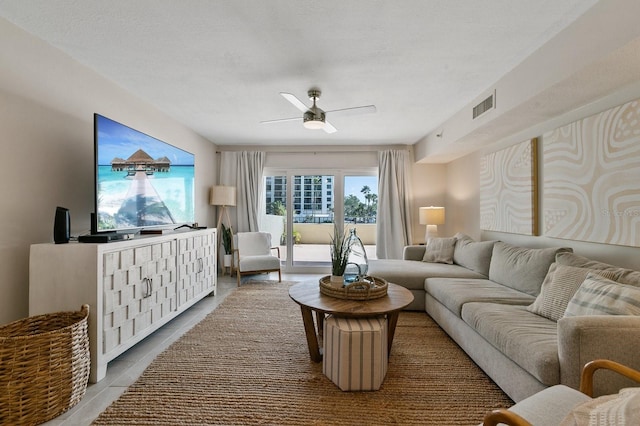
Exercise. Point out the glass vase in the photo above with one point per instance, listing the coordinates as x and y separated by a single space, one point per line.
358 265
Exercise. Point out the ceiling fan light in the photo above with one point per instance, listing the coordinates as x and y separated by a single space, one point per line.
314 125
313 120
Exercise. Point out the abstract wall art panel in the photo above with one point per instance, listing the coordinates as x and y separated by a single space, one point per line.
508 190
591 186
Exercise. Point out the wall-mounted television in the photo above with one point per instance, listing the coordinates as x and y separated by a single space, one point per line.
140 182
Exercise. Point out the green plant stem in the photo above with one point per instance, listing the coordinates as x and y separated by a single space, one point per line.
340 249
227 235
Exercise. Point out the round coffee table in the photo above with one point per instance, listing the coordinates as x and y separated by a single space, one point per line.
308 296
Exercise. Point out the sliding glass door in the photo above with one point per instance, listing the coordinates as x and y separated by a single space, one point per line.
302 206
361 208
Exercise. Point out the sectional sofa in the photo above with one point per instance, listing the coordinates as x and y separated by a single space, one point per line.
530 318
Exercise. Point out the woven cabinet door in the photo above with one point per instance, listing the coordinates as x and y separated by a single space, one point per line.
139 289
196 266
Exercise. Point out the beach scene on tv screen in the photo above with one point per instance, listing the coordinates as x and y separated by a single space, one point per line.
141 181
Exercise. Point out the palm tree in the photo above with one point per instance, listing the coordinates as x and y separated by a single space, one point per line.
366 190
373 208
368 196
351 204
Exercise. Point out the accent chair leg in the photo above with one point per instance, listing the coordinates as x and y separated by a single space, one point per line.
238 276
279 276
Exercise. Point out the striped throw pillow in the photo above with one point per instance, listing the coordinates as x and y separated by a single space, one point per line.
600 296
558 287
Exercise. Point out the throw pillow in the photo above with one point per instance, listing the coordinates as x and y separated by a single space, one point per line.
601 296
474 255
439 250
622 275
521 268
618 409
558 287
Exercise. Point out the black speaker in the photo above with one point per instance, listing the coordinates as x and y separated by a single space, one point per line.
62 226
94 224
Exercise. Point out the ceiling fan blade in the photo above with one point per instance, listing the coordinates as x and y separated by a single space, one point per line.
295 101
328 127
280 120
366 109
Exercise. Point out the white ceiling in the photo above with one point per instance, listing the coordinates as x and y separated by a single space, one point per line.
218 66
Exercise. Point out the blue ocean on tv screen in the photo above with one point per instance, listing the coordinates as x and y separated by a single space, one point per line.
141 181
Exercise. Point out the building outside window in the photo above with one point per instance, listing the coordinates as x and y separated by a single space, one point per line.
301 218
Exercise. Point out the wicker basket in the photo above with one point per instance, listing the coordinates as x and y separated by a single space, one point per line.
44 366
366 289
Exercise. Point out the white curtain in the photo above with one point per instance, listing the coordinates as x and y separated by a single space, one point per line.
394 212
244 171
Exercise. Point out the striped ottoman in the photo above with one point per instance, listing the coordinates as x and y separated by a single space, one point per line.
355 352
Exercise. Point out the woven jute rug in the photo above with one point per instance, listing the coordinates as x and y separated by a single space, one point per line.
248 363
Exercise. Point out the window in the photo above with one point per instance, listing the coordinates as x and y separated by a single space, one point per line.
304 231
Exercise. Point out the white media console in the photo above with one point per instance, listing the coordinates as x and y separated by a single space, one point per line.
133 287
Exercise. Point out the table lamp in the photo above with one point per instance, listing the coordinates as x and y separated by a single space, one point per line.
432 217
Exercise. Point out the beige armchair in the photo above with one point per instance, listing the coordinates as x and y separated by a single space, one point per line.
552 405
255 255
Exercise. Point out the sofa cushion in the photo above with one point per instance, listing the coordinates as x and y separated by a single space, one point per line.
474 255
455 292
259 263
521 268
600 296
439 250
527 339
621 275
558 287
411 274
414 252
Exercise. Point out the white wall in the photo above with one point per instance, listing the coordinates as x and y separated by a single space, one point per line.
590 66
429 188
463 196
591 58
463 190
47 103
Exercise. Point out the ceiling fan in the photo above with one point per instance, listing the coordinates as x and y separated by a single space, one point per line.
315 118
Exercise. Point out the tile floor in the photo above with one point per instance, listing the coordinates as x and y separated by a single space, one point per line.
125 369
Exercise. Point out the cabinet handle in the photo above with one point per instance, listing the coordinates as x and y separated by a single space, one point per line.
200 265
145 290
148 287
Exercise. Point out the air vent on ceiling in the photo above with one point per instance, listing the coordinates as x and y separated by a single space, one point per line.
484 106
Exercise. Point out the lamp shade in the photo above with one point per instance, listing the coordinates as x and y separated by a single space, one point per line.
314 124
431 215
221 195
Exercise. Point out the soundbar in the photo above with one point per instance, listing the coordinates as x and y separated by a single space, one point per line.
103 238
